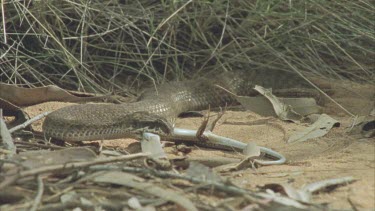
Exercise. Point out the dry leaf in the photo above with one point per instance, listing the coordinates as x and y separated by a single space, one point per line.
12 95
288 190
304 194
303 106
132 181
321 127
151 144
283 111
251 150
270 195
310 119
284 108
320 185
39 158
134 203
69 197
202 172
6 137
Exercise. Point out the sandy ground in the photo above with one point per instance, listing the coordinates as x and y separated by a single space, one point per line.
335 155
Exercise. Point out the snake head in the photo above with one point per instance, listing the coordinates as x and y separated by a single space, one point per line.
147 122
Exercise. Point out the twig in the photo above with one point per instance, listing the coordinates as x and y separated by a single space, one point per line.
203 126
209 126
28 122
6 137
39 194
4 22
352 205
56 195
68 166
70 205
212 125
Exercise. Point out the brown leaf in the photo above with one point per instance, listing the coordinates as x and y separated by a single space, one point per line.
12 95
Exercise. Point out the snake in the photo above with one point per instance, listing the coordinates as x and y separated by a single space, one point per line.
156 110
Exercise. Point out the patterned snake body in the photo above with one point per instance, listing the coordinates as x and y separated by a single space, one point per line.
155 111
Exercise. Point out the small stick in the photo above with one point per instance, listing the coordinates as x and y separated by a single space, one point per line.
352 205
4 22
203 126
29 122
6 137
206 126
39 194
212 125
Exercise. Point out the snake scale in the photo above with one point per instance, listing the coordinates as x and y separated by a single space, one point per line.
156 109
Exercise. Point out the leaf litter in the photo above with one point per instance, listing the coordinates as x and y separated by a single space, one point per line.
76 167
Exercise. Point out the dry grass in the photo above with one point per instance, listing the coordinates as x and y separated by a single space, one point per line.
99 46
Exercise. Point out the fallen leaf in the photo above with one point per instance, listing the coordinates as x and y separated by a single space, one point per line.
283 111
310 119
291 192
291 109
202 172
13 95
69 197
320 185
6 137
251 150
151 143
321 127
304 194
303 106
132 181
134 203
39 158
270 195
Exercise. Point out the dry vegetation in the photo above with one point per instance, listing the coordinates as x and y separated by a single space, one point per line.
97 45
113 46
